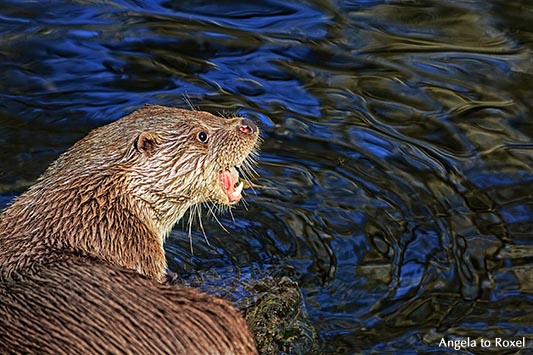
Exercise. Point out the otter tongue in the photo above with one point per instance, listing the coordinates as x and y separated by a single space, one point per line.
228 182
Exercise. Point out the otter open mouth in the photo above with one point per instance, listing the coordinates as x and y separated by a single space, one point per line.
233 189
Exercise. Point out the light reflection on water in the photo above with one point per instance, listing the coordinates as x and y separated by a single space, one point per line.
396 168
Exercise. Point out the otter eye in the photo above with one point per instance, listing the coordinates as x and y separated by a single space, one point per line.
203 137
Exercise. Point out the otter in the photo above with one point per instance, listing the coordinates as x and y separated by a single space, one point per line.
81 252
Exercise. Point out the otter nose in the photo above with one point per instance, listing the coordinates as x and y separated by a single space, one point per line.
247 126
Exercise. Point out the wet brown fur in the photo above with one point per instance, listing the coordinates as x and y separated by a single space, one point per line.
81 252
83 307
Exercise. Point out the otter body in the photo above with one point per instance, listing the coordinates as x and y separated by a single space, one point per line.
81 252
81 306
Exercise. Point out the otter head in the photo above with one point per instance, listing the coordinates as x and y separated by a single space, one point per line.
182 158
118 192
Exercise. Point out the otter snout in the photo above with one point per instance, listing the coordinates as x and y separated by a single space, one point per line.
248 127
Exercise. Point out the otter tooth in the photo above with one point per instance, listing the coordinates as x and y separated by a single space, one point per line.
238 190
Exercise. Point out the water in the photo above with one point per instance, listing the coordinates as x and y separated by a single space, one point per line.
397 163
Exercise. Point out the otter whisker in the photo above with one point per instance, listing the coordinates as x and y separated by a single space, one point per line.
248 169
231 214
245 203
249 183
216 219
191 216
195 211
189 103
199 214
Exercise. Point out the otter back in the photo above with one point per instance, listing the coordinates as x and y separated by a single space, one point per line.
82 307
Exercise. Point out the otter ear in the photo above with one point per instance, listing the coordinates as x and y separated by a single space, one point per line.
147 143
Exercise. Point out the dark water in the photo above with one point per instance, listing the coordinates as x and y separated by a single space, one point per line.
397 163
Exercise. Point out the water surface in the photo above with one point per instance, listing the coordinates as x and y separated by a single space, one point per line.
396 171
